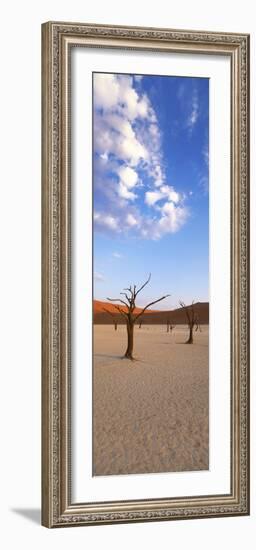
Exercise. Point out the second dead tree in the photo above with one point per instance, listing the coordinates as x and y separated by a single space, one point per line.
191 320
169 326
198 326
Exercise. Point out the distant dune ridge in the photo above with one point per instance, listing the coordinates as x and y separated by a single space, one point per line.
150 317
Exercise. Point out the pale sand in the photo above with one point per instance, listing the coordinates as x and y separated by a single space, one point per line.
150 415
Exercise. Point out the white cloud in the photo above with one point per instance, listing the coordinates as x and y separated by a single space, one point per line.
120 124
105 220
131 150
172 219
205 153
194 114
174 216
170 192
204 183
113 135
157 174
104 157
154 131
105 90
98 276
151 197
111 222
131 220
117 91
133 105
165 191
128 176
128 179
117 255
127 145
124 193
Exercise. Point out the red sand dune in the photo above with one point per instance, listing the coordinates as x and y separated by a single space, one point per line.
100 307
150 316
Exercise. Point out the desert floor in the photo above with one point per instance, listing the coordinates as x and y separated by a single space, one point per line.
150 415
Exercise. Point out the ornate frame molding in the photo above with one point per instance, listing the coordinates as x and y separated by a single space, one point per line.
57 40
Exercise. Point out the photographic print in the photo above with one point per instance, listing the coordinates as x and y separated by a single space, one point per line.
145 274
151 274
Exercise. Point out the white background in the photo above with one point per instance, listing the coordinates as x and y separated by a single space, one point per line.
20 276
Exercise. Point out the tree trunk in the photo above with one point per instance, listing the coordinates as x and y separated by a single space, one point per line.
190 338
130 331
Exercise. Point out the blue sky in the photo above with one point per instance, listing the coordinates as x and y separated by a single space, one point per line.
150 186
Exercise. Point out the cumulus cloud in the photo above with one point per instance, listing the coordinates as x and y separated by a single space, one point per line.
131 221
173 212
130 188
172 220
114 135
151 197
118 92
128 179
105 221
165 191
128 176
124 193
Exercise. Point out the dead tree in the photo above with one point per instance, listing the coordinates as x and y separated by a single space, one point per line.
113 317
198 326
191 320
127 307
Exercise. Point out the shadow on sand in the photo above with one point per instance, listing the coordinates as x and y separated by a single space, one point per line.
107 356
118 357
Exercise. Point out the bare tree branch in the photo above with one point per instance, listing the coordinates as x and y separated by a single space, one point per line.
193 315
109 312
191 319
143 286
127 298
183 305
113 315
117 300
125 315
129 289
151 304
189 311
